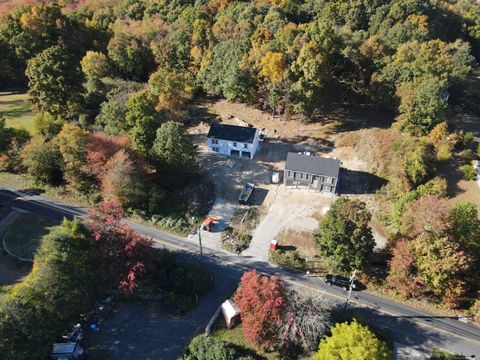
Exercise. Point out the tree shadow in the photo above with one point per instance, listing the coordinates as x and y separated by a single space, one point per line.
452 173
308 143
359 182
200 113
287 247
361 117
33 191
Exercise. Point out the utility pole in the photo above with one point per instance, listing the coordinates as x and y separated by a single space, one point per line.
200 240
352 278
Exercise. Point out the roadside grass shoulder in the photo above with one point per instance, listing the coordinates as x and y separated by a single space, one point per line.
420 304
17 109
438 354
24 236
21 182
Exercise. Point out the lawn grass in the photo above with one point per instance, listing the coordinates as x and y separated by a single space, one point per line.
235 336
25 235
17 110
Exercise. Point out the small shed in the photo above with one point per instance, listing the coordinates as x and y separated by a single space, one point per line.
231 313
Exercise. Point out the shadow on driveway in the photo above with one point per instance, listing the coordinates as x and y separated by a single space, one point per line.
134 332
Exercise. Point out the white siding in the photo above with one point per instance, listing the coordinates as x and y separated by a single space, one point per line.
225 147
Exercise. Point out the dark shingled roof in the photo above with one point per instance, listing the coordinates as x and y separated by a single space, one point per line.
312 164
233 133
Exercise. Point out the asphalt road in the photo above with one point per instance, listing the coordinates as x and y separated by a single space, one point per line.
402 324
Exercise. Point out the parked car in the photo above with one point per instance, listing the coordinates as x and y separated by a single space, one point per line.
67 351
247 190
339 280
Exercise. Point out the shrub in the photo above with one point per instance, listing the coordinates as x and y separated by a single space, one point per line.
235 241
469 172
182 283
443 355
43 161
210 348
287 258
475 310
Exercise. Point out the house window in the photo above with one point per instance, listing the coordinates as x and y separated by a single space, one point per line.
234 144
215 149
214 141
288 173
306 176
245 146
333 181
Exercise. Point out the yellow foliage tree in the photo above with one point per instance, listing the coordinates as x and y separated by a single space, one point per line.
441 141
273 67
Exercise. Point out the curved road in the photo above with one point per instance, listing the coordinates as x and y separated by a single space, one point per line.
404 325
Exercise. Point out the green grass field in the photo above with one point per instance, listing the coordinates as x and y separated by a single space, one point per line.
17 109
25 234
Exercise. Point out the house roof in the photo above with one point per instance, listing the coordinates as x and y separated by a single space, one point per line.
232 132
312 164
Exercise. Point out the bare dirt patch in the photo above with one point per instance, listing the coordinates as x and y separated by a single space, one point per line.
302 240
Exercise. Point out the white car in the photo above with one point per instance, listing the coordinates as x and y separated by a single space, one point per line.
308 153
275 177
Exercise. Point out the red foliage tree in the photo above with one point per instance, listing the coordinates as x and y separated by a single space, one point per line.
125 256
119 181
101 148
401 273
262 302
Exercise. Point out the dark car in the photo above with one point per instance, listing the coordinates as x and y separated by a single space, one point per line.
338 280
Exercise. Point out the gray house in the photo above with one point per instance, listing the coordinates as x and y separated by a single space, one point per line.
232 140
311 172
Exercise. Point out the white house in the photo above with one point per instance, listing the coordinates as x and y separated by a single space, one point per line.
234 141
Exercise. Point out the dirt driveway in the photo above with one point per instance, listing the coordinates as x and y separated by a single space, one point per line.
286 209
281 209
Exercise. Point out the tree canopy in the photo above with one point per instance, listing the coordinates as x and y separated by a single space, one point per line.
352 341
344 236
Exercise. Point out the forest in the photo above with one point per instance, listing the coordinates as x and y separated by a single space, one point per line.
114 83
